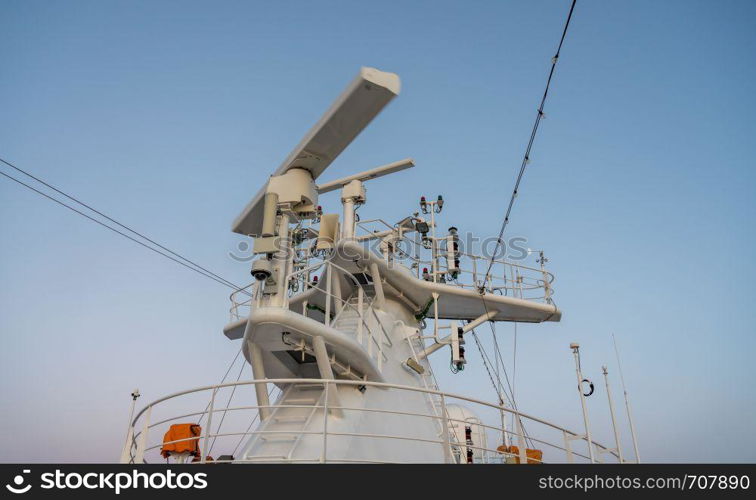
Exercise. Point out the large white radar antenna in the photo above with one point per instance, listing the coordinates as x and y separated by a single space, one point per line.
362 100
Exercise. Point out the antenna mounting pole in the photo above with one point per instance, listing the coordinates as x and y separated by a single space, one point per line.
627 402
576 352
611 412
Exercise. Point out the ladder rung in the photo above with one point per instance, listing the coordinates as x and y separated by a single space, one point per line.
299 401
279 438
291 418
265 458
308 387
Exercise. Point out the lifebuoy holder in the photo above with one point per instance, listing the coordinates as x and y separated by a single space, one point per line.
590 386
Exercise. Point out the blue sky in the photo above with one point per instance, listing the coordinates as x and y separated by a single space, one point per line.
169 116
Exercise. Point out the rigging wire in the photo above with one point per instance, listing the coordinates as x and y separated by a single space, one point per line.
188 264
225 410
72 198
496 360
511 393
497 353
505 223
199 421
526 157
486 363
174 256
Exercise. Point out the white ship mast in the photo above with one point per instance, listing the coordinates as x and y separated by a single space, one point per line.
334 324
360 321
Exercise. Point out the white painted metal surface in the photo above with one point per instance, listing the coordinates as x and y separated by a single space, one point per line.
373 173
365 97
333 329
387 436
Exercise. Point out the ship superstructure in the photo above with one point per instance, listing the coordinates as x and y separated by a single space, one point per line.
342 321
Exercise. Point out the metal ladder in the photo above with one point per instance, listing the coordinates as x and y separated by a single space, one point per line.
290 418
439 410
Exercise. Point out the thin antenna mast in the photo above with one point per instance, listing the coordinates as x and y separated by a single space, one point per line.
611 411
578 370
627 401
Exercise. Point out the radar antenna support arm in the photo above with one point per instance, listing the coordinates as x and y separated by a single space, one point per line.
446 340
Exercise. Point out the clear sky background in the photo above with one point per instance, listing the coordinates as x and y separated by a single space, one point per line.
170 115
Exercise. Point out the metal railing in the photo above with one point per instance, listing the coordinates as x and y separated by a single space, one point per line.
242 300
506 277
556 442
370 330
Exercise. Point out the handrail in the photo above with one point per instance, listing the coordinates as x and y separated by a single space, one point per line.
543 280
522 280
346 408
386 336
326 383
347 304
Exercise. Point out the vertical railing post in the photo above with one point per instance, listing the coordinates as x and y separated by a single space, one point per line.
520 440
445 429
327 319
142 444
209 427
360 299
324 452
568 447
475 269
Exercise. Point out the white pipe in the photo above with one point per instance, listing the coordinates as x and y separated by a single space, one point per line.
326 372
445 341
611 411
258 372
328 298
380 298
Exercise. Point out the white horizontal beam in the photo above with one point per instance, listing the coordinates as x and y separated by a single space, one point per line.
389 168
357 105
